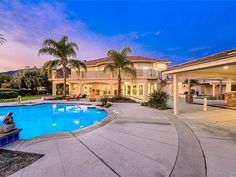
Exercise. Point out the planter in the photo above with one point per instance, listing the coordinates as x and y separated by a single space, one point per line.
189 98
230 99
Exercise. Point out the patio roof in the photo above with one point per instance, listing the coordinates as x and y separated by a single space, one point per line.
221 64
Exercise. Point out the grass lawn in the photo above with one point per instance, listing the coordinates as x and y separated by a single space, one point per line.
23 98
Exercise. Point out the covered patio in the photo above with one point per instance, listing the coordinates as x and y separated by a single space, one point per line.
220 67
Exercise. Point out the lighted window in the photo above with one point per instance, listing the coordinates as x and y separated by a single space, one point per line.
134 89
74 86
140 89
129 89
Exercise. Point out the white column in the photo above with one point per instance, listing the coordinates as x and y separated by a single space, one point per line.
54 89
228 85
111 90
81 89
213 89
176 94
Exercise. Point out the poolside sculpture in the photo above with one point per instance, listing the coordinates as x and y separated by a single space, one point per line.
8 123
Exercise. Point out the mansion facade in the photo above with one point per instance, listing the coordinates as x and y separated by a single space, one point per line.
105 83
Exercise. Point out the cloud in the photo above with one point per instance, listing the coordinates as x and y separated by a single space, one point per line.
157 33
174 49
197 49
26 25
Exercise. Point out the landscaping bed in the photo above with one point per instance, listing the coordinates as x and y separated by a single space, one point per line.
13 161
120 99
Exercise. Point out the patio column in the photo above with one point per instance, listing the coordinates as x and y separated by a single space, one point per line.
189 88
176 94
54 89
221 91
228 85
213 89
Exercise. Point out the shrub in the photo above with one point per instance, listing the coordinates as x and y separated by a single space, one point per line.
212 98
8 93
120 99
105 103
157 100
84 96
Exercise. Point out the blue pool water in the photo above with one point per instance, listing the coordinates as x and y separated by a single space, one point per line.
42 119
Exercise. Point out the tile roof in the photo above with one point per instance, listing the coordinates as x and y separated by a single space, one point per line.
132 58
207 59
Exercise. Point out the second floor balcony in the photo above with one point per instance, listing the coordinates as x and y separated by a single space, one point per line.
147 73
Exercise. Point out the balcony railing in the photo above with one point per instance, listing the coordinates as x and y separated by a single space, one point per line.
108 75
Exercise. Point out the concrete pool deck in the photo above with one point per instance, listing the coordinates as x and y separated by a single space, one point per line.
142 142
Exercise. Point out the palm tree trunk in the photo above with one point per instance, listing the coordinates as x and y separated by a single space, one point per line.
119 85
64 84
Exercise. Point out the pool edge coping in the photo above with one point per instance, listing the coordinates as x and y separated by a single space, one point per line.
69 134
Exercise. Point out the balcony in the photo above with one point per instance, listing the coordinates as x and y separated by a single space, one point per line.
146 74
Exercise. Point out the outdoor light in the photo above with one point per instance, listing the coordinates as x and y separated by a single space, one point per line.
225 67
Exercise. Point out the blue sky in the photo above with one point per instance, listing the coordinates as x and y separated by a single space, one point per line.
174 30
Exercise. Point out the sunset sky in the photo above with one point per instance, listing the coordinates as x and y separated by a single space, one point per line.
177 31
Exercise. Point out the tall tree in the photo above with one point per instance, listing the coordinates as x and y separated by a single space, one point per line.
120 64
64 53
2 39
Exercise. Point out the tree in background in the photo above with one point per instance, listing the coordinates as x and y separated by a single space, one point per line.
190 92
31 79
120 64
64 53
4 80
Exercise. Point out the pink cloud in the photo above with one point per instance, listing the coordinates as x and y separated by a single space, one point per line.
25 26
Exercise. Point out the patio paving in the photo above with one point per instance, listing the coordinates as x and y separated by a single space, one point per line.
142 142
216 132
137 143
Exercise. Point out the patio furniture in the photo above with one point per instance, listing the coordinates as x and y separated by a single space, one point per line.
92 97
74 97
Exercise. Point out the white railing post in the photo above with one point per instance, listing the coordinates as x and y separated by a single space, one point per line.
204 104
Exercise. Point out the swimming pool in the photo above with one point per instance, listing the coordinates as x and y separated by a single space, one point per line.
43 119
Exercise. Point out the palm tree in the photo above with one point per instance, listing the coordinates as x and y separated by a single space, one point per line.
64 53
2 39
120 64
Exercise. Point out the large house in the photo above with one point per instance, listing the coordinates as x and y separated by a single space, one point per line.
105 83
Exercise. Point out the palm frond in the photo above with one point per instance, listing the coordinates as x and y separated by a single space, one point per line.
109 67
2 39
129 70
125 51
49 51
50 43
49 66
77 64
128 63
73 45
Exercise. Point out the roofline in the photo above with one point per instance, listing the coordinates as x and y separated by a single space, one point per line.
134 61
194 66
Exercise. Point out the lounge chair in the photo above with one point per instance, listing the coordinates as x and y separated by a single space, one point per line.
74 97
92 97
